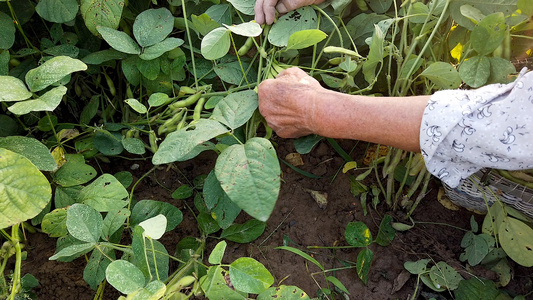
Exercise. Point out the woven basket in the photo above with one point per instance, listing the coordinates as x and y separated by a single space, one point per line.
472 193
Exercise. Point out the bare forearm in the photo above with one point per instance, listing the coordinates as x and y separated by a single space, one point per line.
393 121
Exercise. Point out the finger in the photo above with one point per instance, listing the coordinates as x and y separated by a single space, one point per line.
293 72
269 10
258 11
282 8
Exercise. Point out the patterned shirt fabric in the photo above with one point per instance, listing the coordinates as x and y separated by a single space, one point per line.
464 131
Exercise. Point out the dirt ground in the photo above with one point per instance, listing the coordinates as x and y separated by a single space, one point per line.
298 217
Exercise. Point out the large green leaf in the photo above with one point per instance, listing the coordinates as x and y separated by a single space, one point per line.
160 48
105 13
179 145
47 102
84 223
444 276
250 276
485 7
32 149
96 58
249 29
104 194
232 72
215 287
477 289
488 34
244 6
13 89
52 71
24 190
7 34
124 276
500 69
442 74
476 71
516 239
119 40
236 108
55 223
152 26
203 23
250 176
74 171
216 43
305 38
57 11
301 19
146 209
218 202
244 233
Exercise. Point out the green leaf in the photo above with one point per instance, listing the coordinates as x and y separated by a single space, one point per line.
124 276
119 40
500 69
305 144
74 250
416 267
52 71
184 144
136 105
206 223
24 190
382 6
55 223
57 11
216 43
99 57
442 74
13 89
301 19
47 102
232 72
338 284
32 149
158 99
94 272
4 63
104 194
7 35
288 292
244 6
476 289
160 48
477 250
134 145
377 50
149 68
215 258
218 202
74 171
215 287
302 254
386 231
183 192
364 259
357 234
476 71
236 108
248 29
244 233
444 276
203 23
146 209
305 38
516 239
249 276
154 227
109 143
84 223
250 171
105 13
488 34
152 26
150 256
486 8
525 7
113 221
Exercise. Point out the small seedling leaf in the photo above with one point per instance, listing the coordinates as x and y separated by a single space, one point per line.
136 105
134 146
216 43
516 238
183 192
236 108
357 234
152 26
416 267
250 276
12 88
146 209
215 258
386 231
302 254
288 292
52 71
305 38
364 259
244 233
124 276
21 183
444 276
250 171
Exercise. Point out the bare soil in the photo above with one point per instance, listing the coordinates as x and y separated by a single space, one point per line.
298 217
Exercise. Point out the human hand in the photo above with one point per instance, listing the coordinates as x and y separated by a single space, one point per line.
265 10
288 103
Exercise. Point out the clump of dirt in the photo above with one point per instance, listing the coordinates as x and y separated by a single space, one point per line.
298 220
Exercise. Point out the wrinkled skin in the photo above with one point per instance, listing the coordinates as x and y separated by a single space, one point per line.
288 102
265 10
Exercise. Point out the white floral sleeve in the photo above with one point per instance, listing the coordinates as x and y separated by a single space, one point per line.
465 130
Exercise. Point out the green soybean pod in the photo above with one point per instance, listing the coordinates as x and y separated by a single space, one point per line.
246 47
153 141
184 103
198 109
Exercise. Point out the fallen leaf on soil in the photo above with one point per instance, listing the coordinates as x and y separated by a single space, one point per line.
320 198
445 201
400 281
294 159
